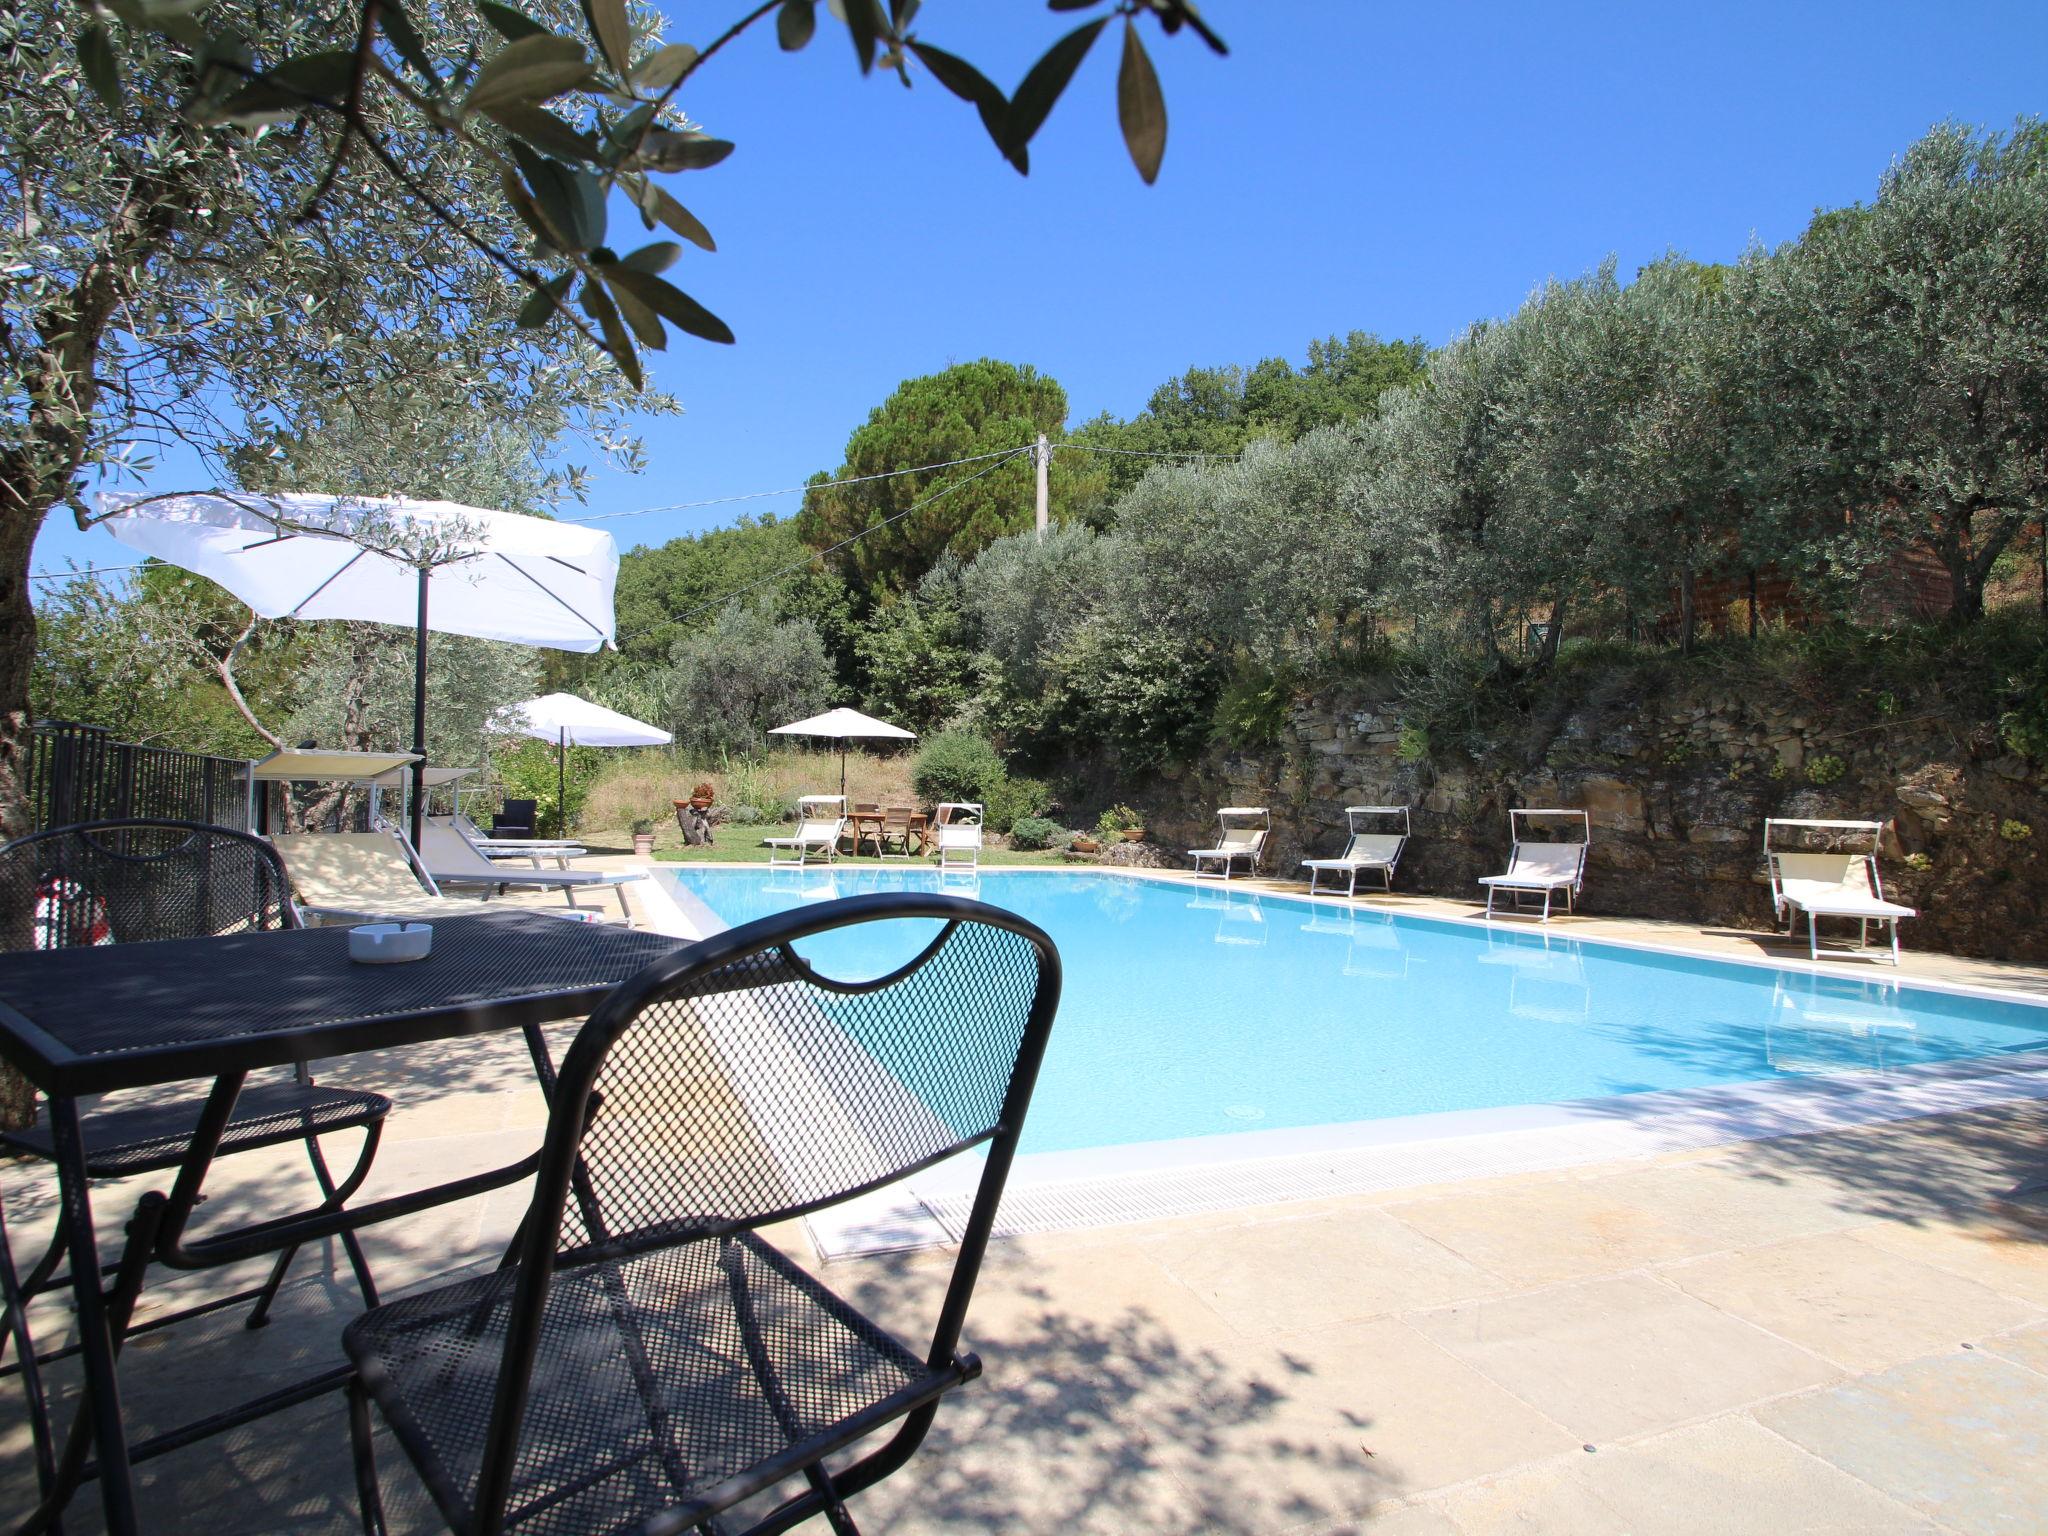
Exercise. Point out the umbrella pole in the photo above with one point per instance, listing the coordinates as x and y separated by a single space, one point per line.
419 713
842 767
562 782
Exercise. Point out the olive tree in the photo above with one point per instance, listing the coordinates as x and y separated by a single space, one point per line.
1908 354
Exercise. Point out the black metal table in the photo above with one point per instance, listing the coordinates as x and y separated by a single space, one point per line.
89 1020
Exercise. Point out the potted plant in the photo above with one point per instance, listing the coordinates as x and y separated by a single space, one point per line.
700 797
1083 843
643 837
1120 821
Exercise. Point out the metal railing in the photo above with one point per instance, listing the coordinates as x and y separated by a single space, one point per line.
80 773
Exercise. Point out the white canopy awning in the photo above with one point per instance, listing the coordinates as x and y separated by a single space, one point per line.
306 765
563 717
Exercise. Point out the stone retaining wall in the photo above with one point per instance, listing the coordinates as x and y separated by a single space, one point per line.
1677 789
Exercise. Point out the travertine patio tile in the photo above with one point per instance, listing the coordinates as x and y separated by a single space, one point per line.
1403 1520
2008 1257
1318 1270
1850 1300
1731 1474
1561 1228
1732 1206
2026 1346
1354 1414
1627 1356
1960 1437
1548 1499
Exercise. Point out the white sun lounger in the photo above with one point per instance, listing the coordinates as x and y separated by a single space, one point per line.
1833 883
1366 853
820 819
451 859
956 836
530 849
1537 868
1241 835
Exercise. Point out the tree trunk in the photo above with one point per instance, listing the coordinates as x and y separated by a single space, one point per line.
17 660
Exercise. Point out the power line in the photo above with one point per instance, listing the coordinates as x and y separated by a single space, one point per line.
90 570
1141 453
792 490
820 554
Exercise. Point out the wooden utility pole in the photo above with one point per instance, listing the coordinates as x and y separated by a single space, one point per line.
1042 456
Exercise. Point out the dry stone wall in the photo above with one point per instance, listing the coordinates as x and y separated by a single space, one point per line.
1677 789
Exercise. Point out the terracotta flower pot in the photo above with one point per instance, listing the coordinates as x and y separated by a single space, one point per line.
643 843
1134 834
1085 845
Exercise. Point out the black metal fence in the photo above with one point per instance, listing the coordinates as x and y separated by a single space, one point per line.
80 773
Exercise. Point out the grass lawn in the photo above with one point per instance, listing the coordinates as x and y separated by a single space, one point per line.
742 845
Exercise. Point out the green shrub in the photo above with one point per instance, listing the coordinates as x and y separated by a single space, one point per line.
1037 832
528 772
956 765
1252 709
1413 747
1825 769
1919 861
2014 831
1116 821
1013 800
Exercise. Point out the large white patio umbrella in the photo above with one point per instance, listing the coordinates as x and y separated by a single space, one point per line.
388 560
844 725
568 722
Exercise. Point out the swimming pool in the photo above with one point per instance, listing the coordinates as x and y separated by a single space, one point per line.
1200 1011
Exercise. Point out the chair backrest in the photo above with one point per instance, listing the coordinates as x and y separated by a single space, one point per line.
445 851
518 813
1548 861
345 869
127 881
957 812
1801 875
958 834
820 817
1374 847
730 1085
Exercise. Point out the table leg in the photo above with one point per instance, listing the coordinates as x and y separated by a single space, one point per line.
117 1491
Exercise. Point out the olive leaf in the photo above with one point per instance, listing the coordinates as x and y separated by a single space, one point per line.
598 305
543 130
795 23
397 27
102 70
655 203
614 33
671 303
510 24
970 84
1043 84
571 201
657 256
642 321
664 67
666 151
542 302
1140 108
530 70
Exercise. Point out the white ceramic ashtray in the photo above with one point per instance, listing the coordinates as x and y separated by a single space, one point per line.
390 943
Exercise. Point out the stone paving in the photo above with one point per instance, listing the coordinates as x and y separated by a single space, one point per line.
1835 1333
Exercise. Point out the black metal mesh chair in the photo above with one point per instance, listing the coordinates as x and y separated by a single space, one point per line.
646 1361
120 882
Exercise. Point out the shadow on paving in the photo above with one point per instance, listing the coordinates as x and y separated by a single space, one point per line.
1950 1170
1084 1423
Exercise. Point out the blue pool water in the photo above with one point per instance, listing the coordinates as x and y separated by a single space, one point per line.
1199 1011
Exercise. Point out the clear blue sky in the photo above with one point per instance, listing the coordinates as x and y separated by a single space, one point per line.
1353 164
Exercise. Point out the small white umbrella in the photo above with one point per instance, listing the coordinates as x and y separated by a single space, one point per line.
842 726
568 722
494 575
